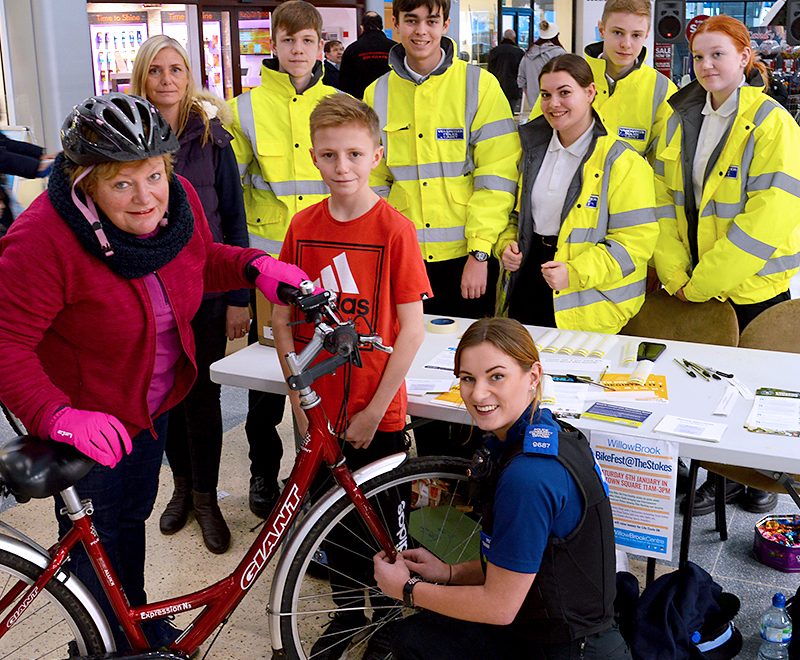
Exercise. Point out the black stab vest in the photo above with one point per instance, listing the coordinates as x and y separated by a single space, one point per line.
573 593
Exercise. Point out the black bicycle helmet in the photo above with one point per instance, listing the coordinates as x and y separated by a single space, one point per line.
116 127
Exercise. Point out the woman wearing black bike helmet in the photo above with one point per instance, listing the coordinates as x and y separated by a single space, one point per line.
544 587
101 278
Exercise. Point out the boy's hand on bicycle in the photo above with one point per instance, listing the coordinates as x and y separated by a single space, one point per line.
101 437
362 428
389 577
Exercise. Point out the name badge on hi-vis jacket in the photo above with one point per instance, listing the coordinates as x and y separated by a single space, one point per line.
591 203
631 133
449 133
732 172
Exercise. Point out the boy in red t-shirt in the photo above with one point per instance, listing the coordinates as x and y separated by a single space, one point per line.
358 246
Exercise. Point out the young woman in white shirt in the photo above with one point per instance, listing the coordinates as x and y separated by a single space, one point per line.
576 257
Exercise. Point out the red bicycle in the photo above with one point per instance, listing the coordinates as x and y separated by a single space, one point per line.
46 612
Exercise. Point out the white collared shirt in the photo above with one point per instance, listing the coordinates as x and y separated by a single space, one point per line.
419 78
550 188
715 123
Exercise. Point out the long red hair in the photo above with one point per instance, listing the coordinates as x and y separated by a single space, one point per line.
740 37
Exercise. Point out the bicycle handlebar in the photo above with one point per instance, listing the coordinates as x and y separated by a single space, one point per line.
330 333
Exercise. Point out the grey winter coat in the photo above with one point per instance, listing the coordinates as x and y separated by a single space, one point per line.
532 63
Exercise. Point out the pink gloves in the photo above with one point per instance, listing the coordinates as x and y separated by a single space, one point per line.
272 272
99 436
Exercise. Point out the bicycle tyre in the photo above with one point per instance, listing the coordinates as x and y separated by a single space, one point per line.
447 529
13 420
55 625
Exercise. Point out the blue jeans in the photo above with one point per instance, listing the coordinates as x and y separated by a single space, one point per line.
123 498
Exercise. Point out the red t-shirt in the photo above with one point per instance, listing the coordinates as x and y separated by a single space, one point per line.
373 264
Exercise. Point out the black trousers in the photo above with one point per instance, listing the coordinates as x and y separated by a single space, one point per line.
429 635
436 438
531 299
264 413
746 313
194 438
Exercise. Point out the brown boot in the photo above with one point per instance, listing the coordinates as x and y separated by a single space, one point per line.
177 510
216 534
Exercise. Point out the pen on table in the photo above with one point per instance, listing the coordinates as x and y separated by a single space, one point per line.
431 366
602 373
688 371
698 370
701 369
588 381
719 375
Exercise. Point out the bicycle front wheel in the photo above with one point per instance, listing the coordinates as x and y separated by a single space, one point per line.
424 503
55 624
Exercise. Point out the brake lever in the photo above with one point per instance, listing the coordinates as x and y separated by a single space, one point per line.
377 342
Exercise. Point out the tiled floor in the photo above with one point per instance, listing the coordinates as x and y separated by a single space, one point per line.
180 563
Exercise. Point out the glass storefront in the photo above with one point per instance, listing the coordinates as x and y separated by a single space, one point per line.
116 30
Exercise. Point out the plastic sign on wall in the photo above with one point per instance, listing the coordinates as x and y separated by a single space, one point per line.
662 59
693 24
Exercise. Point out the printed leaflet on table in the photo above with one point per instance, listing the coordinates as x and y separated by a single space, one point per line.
775 411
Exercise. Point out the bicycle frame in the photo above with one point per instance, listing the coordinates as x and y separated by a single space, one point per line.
221 598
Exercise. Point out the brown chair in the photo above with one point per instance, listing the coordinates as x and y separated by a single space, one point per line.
665 317
775 329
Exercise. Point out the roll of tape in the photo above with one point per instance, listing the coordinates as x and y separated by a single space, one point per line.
442 326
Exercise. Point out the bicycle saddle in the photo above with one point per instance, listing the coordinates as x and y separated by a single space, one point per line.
34 468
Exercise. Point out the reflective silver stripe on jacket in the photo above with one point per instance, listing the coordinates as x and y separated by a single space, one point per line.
247 124
631 218
659 94
494 182
494 129
672 125
781 264
268 245
440 234
748 244
590 296
383 191
427 171
658 165
667 211
286 188
621 256
779 180
381 102
678 197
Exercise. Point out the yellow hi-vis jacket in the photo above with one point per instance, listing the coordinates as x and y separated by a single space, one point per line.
608 229
271 139
451 151
635 110
743 242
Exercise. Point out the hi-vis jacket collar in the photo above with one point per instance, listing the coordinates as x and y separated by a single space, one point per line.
537 133
272 65
397 57
689 100
595 50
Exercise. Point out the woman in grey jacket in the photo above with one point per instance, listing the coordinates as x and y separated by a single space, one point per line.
544 49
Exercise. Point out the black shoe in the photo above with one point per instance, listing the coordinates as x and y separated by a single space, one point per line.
216 535
262 496
176 513
338 635
160 633
758 501
704 496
